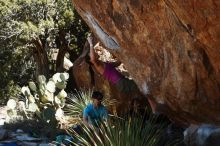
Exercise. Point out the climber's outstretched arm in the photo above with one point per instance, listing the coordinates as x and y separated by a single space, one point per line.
99 66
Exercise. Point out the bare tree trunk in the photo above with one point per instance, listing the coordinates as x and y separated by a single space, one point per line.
63 48
60 59
40 55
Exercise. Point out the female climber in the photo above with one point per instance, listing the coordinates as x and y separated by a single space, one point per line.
109 72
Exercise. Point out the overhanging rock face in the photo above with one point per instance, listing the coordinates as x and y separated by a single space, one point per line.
170 48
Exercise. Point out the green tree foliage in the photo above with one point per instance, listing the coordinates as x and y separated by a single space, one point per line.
29 30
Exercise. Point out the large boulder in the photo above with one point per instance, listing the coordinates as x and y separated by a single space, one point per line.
169 47
202 135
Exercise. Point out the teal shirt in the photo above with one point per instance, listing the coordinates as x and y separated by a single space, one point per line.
95 115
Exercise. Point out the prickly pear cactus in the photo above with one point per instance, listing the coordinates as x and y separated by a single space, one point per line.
45 98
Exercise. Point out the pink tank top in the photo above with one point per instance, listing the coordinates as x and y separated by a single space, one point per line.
111 74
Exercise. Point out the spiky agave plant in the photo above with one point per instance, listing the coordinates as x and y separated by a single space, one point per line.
130 131
77 102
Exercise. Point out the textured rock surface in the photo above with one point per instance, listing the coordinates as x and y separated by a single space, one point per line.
170 48
203 135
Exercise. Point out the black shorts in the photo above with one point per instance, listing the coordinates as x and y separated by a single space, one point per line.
126 85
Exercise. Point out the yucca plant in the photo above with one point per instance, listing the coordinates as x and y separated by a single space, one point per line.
78 101
129 131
